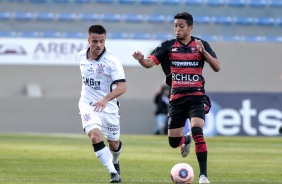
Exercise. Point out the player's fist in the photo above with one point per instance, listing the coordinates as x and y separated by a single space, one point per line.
200 45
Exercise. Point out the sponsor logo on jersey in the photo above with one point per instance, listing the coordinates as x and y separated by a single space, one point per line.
174 50
185 63
86 117
185 78
100 68
92 83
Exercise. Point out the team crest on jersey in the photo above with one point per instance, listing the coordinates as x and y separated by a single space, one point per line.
195 50
100 68
86 117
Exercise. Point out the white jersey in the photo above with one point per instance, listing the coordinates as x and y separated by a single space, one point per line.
99 77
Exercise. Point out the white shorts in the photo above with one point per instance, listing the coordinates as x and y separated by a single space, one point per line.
108 123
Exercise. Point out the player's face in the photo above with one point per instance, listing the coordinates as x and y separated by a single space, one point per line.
181 29
97 43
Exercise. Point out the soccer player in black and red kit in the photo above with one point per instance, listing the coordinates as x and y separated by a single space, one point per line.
182 60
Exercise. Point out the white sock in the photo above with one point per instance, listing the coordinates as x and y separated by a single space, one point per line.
116 154
105 157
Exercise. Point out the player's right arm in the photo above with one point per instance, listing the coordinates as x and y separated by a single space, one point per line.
147 63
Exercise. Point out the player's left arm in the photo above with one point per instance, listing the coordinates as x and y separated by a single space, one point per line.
209 54
116 92
119 90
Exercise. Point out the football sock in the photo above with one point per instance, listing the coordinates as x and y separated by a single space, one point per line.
116 153
104 155
201 149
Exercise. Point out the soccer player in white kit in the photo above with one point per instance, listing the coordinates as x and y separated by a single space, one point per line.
103 80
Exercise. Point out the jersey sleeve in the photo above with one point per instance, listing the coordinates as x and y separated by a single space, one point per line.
209 49
159 54
117 71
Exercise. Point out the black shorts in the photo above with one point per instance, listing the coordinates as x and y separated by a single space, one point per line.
183 108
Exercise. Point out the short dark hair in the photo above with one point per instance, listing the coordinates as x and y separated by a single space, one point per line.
98 29
186 16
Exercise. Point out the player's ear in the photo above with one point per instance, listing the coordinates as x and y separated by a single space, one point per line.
190 27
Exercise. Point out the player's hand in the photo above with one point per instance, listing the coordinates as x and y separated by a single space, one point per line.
138 55
99 106
200 46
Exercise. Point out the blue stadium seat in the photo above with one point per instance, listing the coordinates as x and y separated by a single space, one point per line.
195 2
273 39
162 36
16 1
215 2
202 19
243 20
66 16
22 16
275 3
156 18
8 34
235 3
126 1
265 21
133 18
81 1
257 3
44 16
279 21
170 18
230 38
113 35
222 20
140 36
5 15
105 1
111 17
148 2
50 34
29 34
170 2
60 1
74 35
88 17
37 1
252 38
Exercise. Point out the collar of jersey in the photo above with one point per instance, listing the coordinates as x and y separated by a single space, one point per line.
97 59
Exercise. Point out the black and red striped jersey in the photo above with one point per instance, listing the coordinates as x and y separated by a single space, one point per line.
182 65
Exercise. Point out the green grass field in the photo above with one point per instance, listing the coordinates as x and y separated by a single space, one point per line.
34 158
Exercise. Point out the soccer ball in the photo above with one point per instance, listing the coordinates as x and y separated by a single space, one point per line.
182 173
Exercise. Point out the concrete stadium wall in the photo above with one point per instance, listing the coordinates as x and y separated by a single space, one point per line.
244 68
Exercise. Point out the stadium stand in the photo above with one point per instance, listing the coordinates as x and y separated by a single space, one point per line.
235 3
5 16
275 3
137 18
257 3
88 17
148 2
28 34
215 2
43 16
133 17
196 2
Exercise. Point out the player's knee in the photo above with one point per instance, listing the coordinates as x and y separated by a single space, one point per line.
174 142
